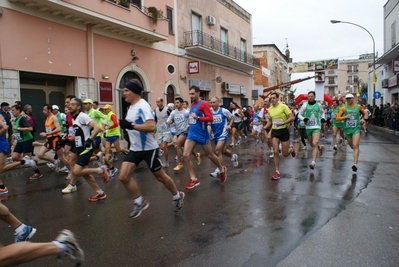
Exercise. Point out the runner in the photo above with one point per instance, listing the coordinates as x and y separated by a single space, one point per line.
52 135
265 119
337 126
257 127
280 117
140 125
82 124
24 139
200 116
161 115
312 114
237 127
222 119
349 113
179 117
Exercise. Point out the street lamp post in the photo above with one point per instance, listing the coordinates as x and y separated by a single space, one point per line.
373 73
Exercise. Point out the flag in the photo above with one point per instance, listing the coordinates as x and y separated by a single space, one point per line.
357 91
374 77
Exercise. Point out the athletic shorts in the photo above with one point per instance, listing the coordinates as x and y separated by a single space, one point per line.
97 142
339 126
150 157
282 134
350 132
198 139
220 138
24 147
237 125
111 139
4 147
302 132
182 133
52 143
257 128
84 156
164 137
310 132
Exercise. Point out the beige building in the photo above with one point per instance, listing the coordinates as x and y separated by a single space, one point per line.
50 49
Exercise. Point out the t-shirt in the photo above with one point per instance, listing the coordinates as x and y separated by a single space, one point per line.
277 114
139 113
180 120
81 128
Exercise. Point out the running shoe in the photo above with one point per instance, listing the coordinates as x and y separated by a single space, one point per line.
198 158
178 167
36 176
262 146
193 183
69 176
216 173
25 235
231 145
69 189
354 168
176 158
8 160
50 165
57 165
73 249
100 160
335 147
3 191
165 164
223 175
178 203
112 172
64 169
137 209
276 175
312 165
304 148
293 153
104 175
257 142
321 147
97 196
234 158
271 155
29 162
341 140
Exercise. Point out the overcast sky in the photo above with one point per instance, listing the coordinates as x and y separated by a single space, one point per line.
305 25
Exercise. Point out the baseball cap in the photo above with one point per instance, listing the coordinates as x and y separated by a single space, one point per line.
88 100
5 104
107 106
349 96
56 107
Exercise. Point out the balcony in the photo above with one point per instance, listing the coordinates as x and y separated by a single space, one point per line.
353 71
113 16
209 48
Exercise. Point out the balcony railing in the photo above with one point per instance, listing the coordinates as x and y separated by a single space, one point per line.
127 4
199 38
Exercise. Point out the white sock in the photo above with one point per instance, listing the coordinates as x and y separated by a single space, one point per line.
177 196
20 228
139 200
100 192
100 170
61 246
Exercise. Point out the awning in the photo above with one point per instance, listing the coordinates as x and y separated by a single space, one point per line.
386 58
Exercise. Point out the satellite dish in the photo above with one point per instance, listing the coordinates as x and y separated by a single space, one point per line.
218 79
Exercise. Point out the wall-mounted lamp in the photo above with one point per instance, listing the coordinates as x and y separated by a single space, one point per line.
105 77
218 79
135 58
184 79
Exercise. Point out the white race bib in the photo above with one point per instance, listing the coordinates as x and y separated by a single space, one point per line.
351 123
78 141
17 136
217 119
276 123
191 120
48 130
311 122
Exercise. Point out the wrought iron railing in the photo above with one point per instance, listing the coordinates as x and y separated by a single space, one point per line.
199 38
128 4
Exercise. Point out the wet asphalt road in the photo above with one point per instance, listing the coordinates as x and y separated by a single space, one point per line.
247 221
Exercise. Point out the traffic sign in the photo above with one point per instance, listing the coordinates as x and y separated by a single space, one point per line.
364 95
377 95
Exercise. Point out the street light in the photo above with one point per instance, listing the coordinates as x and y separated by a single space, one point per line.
339 21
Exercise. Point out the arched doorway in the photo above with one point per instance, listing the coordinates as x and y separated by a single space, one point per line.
170 95
125 78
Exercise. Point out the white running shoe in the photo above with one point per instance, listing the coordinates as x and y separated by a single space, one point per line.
29 162
235 160
216 173
64 169
165 164
50 165
112 172
100 161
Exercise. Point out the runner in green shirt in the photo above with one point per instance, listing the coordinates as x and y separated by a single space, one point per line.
337 125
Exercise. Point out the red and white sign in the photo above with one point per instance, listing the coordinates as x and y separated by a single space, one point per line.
105 93
395 65
193 67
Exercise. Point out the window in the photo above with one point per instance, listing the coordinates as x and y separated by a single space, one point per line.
136 3
169 16
393 34
196 28
352 68
331 91
331 80
243 47
224 40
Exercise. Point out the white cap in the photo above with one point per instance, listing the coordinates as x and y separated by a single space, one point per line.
171 105
349 96
56 107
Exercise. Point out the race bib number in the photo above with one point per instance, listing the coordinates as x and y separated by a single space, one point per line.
311 122
71 132
48 130
17 136
277 123
78 141
351 123
334 115
163 127
179 118
217 119
191 120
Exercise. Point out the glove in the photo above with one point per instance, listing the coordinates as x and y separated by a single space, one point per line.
323 121
305 120
88 143
124 124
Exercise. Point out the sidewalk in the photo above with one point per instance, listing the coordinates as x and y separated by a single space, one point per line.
384 129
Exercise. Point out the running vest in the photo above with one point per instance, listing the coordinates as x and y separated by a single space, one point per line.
114 131
334 112
61 122
18 135
237 117
219 123
197 128
354 121
49 126
312 112
162 117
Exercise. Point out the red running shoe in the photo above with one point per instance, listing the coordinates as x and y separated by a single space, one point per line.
223 175
192 184
293 154
104 175
97 196
276 175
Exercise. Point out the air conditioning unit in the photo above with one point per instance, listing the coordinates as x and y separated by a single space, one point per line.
210 20
225 87
385 83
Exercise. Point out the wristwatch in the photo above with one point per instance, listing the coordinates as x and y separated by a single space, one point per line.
19 128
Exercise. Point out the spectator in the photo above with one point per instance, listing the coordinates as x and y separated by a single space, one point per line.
4 107
376 115
397 117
